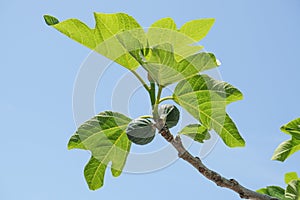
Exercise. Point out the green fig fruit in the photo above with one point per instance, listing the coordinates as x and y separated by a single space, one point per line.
140 131
170 114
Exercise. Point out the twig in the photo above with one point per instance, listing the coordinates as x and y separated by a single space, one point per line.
232 184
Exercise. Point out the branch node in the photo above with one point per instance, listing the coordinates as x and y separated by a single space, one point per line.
177 139
243 196
201 170
182 154
164 130
234 182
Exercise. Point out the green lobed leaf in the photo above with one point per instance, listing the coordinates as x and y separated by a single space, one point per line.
197 132
286 149
292 128
165 31
129 40
120 38
165 69
102 38
288 177
104 135
183 39
206 99
293 190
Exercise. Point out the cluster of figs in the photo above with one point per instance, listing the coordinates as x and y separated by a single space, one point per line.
141 131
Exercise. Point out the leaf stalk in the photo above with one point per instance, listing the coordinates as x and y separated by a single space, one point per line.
166 98
141 80
155 109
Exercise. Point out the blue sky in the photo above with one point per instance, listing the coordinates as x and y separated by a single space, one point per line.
257 42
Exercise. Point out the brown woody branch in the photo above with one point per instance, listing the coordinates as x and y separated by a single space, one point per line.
208 173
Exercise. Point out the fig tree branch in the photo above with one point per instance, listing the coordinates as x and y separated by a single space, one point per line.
196 162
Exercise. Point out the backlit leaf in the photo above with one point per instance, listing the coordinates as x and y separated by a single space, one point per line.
197 29
206 99
102 38
288 177
165 69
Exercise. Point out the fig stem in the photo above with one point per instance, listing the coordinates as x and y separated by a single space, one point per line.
146 116
155 109
166 98
152 94
141 80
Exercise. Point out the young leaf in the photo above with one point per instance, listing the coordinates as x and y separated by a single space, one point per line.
288 177
50 20
165 31
286 149
293 190
104 135
273 191
276 191
196 131
165 23
206 99
165 70
292 128
102 37
263 191
197 29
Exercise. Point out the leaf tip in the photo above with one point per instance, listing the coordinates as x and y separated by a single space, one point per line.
116 172
242 144
69 147
283 129
212 20
276 158
50 20
94 188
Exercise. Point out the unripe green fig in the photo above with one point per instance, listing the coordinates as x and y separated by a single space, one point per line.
170 114
140 131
